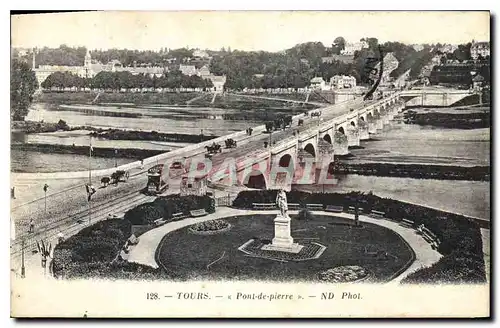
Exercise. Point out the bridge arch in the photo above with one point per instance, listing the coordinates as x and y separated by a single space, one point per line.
341 130
310 149
369 117
353 123
286 161
255 180
327 138
362 118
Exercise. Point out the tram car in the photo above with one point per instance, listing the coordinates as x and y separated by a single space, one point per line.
157 181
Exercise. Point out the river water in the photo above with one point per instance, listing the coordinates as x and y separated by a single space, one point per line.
470 198
167 119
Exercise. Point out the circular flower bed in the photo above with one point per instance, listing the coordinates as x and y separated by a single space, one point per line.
348 273
210 227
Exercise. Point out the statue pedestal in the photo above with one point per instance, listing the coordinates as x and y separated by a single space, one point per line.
282 240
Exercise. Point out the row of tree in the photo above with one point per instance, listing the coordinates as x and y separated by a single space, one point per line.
125 80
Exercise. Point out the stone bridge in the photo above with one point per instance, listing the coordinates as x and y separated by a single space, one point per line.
434 96
315 145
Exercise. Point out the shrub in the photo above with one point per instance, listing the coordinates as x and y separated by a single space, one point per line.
98 243
211 206
62 125
212 225
144 214
95 249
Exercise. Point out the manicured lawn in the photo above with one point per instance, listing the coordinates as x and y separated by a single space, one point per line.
186 256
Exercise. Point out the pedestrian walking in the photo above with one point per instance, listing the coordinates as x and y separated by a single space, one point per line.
32 226
60 238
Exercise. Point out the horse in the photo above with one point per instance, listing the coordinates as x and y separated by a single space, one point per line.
105 181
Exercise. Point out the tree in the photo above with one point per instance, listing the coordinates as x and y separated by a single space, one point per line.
338 45
23 85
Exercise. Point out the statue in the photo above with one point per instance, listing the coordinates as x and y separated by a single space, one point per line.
282 203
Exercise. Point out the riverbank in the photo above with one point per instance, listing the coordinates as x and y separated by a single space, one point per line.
189 98
117 134
84 150
29 127
447 118
415 171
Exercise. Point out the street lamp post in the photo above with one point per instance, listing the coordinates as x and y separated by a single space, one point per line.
23 269
45 188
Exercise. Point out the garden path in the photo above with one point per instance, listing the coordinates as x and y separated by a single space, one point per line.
144 251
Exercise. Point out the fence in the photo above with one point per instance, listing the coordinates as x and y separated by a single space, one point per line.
225 201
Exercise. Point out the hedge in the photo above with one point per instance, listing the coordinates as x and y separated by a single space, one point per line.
90 253
98 243
460 237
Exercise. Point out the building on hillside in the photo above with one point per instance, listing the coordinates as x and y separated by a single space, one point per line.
343 82
351 48
218 82
436 60
479 49
318 83
418 47
204 72
200 54
188 70
448 48
477 82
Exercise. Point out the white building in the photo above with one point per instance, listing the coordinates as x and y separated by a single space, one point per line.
200 54
350 48
218 82
479 48
318 83
91 68
448 48
188 70
418 47
343 82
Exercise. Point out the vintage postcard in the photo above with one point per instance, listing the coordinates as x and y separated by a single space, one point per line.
288 164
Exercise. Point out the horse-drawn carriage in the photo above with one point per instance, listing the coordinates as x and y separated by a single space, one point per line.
117 176
301 122
214 148
230 143
269 126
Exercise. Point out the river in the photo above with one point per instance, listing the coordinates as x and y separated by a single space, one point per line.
409 143
167 119
470 198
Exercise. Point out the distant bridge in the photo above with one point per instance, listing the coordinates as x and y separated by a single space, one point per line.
434 96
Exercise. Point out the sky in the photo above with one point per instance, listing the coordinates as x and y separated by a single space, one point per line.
250 30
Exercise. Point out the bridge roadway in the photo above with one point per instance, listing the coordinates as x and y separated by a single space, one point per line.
68 211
